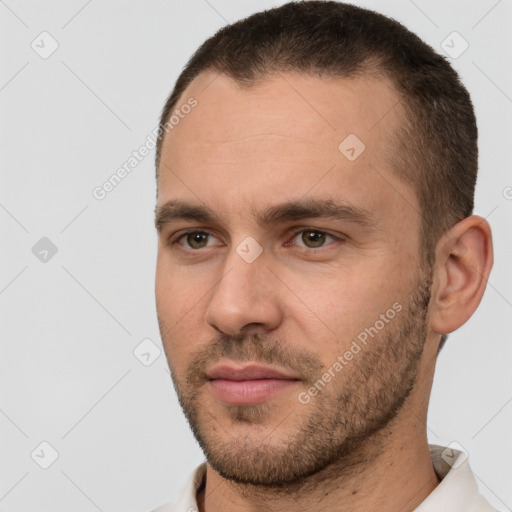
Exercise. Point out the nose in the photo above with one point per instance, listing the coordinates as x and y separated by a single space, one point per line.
245 297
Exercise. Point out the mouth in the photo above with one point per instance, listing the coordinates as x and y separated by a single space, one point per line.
249 384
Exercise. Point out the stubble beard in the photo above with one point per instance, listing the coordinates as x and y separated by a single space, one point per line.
332 429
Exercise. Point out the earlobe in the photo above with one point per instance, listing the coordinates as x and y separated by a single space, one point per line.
464 258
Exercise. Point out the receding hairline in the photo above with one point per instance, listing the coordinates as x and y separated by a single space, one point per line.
371 73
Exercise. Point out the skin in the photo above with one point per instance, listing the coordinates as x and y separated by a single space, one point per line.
244 150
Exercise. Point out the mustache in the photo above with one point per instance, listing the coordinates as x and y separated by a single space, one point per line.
253 348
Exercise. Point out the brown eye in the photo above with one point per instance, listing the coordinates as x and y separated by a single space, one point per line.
193 240
313 239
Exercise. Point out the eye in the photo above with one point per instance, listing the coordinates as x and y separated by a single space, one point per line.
309 239
194 239
313 238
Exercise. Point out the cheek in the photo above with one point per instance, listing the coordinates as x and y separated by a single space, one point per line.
179 310
172 289
170 303
345 304
340 314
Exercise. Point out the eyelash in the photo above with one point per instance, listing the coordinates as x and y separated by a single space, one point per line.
172 242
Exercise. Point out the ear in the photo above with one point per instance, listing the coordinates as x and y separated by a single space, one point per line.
464 258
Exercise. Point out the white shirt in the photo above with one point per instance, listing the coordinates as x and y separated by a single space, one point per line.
457 491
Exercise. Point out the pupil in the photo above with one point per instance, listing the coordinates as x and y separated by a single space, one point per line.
195 239
313 236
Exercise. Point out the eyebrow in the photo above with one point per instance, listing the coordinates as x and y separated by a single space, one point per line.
175 209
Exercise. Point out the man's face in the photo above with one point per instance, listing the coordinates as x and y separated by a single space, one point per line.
302 293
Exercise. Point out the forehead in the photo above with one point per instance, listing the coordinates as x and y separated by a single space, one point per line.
288 104
286 136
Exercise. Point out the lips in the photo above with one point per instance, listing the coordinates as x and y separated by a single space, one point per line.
248 385
249 372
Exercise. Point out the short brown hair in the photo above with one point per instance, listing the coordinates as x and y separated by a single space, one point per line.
436 145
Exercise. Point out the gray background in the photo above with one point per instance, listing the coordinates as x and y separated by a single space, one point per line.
70 323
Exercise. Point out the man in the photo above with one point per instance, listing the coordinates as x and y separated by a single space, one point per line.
316 169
